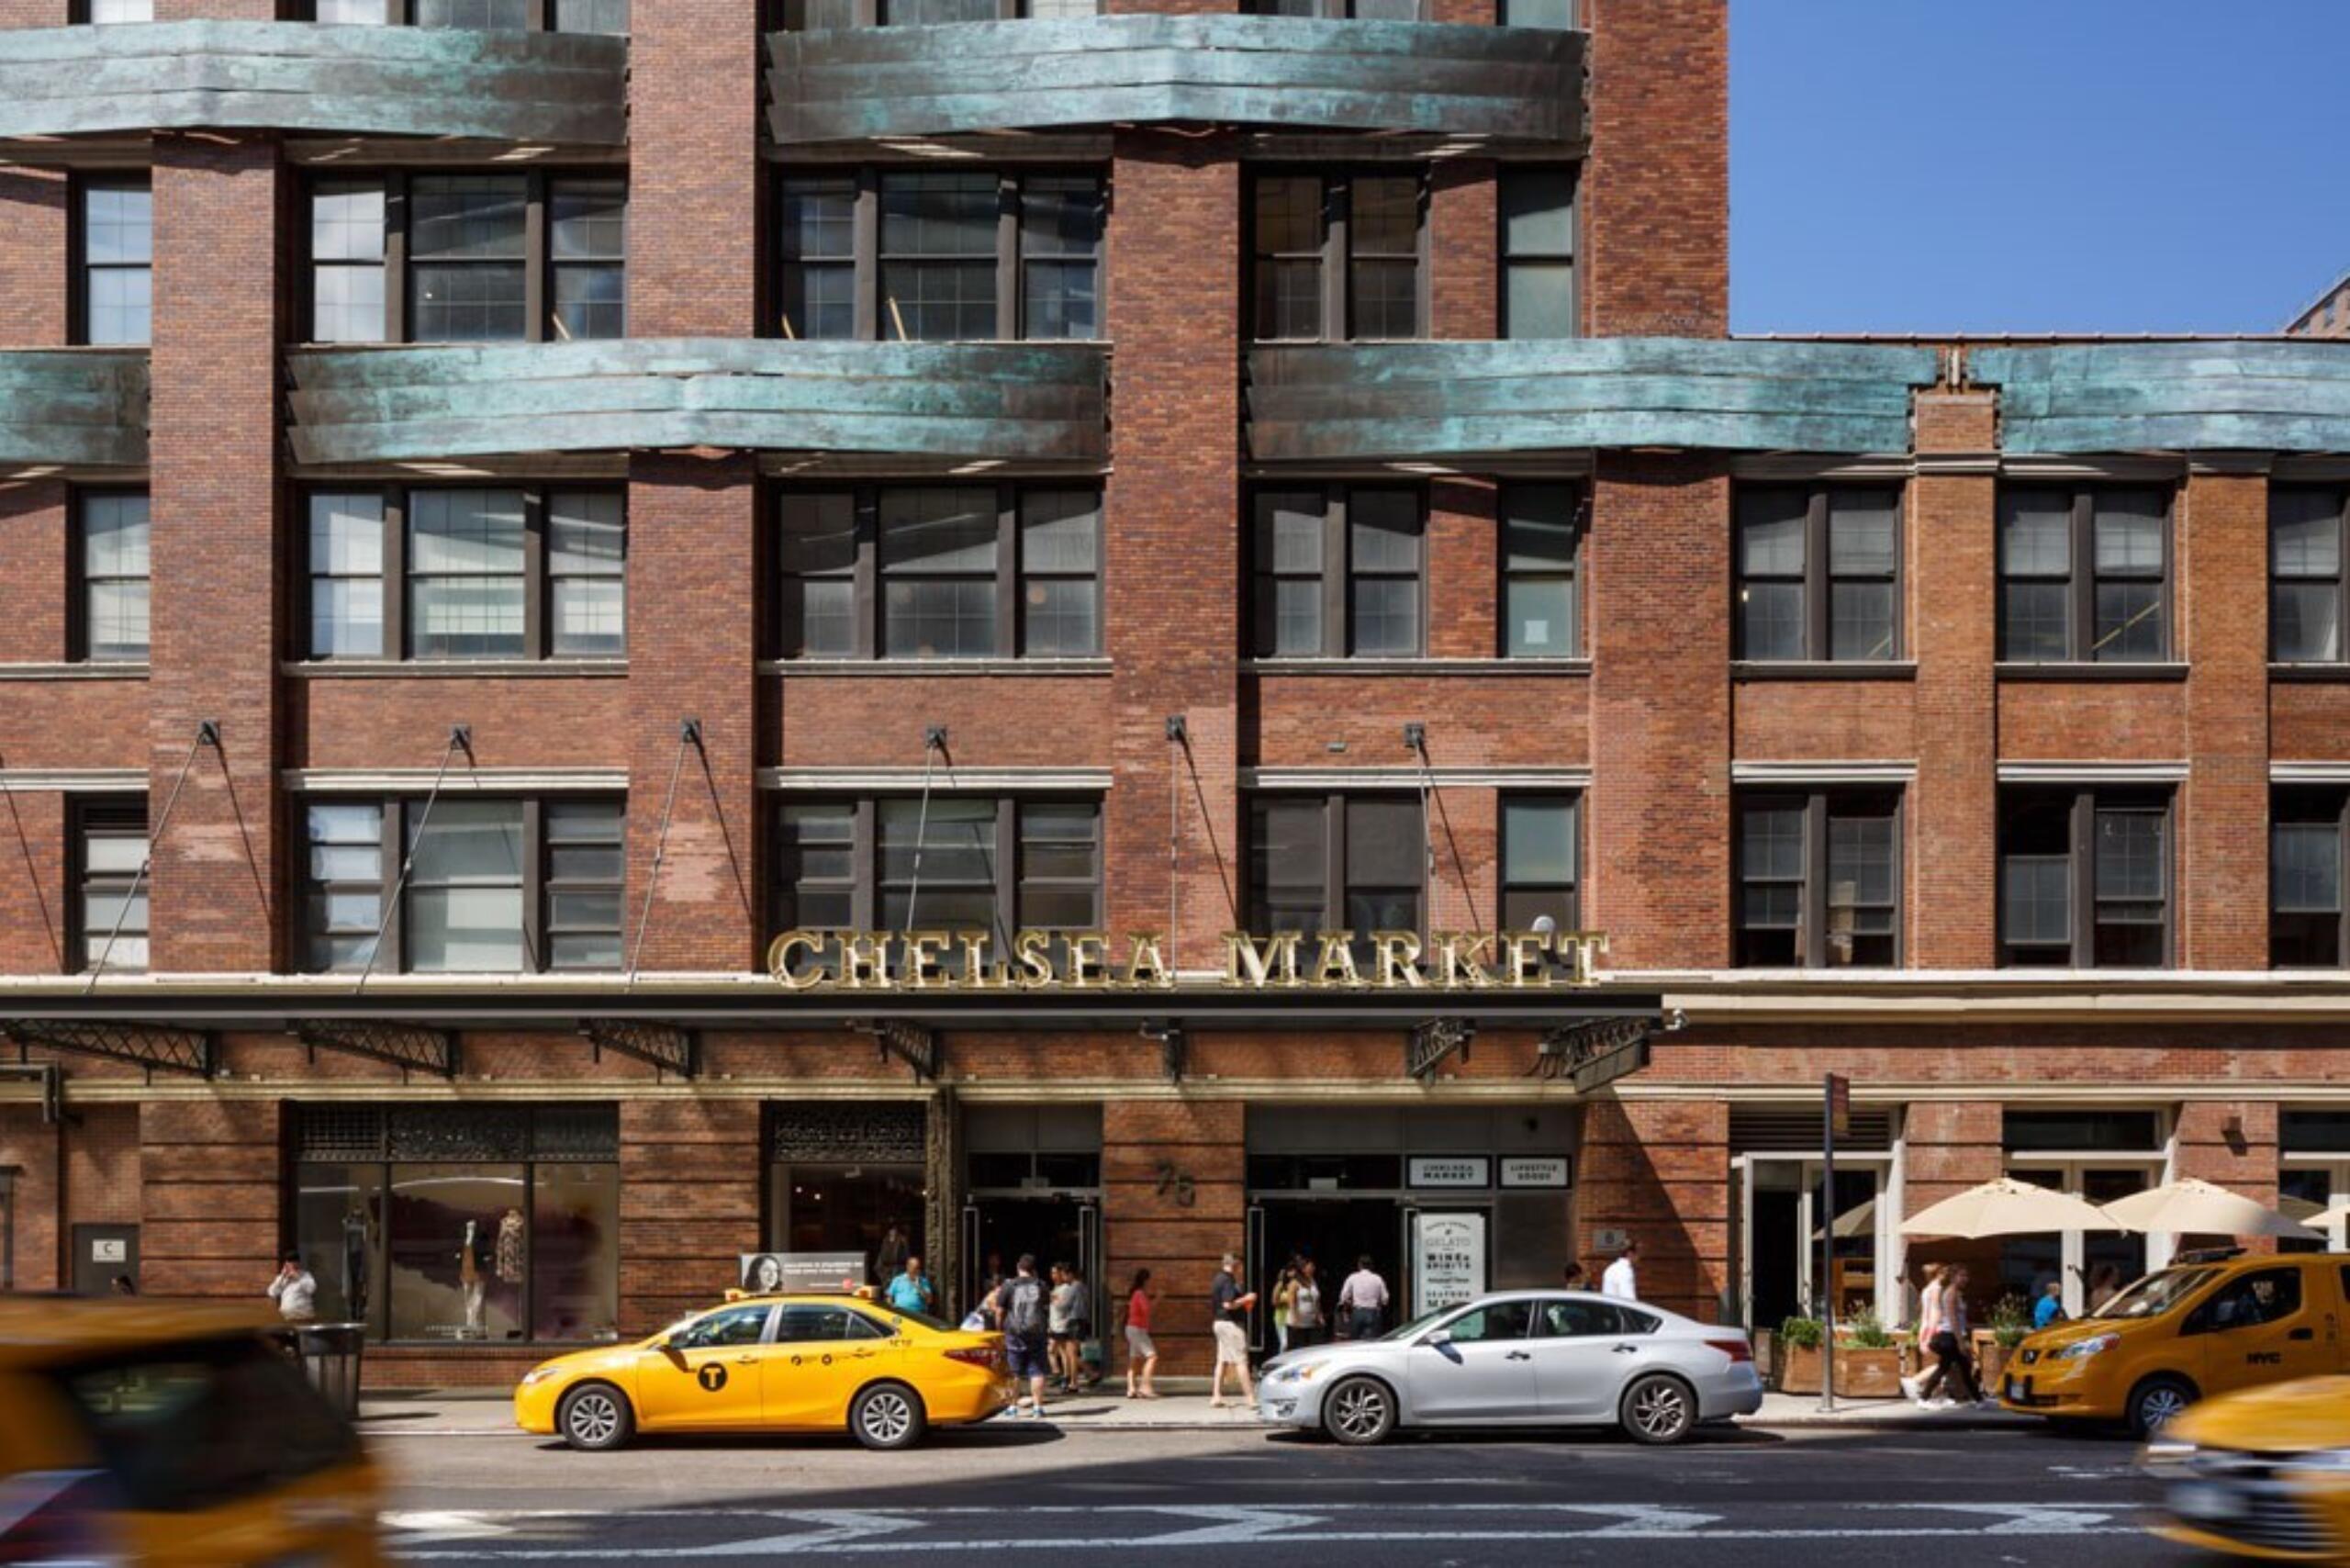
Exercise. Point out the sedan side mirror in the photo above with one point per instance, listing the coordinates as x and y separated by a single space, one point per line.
1438 1337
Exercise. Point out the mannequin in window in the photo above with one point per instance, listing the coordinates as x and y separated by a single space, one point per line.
354 1262
469 1280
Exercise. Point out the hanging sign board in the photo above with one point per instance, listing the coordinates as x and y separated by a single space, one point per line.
1448 1261
1447 1171
1535 1171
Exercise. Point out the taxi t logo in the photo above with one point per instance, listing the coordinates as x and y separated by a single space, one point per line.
712 1377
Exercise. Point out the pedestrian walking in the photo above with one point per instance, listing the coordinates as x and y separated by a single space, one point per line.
1306 1324
1573 1278
1142 1351
1228 1308
2050 1307
1061 1326
911 1291
2105 1284
295 1291
1622 1278
1020 1305
1284 1292
1946 1333
1362 1300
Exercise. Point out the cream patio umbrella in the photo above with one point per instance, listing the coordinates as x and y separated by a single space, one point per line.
2193 1207
2008 1207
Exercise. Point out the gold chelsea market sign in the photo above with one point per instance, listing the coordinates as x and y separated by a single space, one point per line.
1083 960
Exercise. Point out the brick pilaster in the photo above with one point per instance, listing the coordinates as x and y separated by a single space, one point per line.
1656 191
1953 809
2222 870
1659 1171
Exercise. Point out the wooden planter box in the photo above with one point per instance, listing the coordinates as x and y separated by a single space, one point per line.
1860 1374
1990 1361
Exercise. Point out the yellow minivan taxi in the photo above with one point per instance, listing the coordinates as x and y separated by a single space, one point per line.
180 1436
2210 1324
2264 1474
790 1363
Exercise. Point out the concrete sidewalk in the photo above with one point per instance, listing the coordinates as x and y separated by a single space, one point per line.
1107 1409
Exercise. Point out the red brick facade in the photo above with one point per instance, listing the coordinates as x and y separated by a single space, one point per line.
1652 726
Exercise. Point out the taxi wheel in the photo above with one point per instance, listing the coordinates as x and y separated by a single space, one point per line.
2154 1402
1360 1412
887 1415
595 1416
1659 1410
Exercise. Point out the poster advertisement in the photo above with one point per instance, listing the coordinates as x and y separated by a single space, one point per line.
1448 1261
769 1274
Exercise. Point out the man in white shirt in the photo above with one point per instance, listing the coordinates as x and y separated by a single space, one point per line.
1621 1282
295 1291
1362 1300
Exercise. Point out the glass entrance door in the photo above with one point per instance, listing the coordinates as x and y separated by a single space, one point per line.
1789 1233
2316 1192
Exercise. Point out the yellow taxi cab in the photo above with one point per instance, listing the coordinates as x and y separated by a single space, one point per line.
181 1436
774 1363
2210 1324
2264 1474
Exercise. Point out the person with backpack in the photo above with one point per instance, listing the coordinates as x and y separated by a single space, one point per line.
1021 1307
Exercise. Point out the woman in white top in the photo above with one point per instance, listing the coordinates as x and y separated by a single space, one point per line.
1305 1307
1930 1323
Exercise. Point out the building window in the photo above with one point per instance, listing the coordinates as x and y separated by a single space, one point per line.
1337 572
948 863
1818 572
1538 250
2085 879
114 11
941 572
802 15
467 258
1329 10
1819 880
113 561
110 864
495 16
1337 256
1540 861
492 886
2307 841
1557 14
1357 863
113 240
2083 576
940 256
465 1224
2306 531
473 574
1541 554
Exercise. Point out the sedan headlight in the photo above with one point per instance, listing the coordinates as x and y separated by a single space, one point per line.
1303 1371
2082 1350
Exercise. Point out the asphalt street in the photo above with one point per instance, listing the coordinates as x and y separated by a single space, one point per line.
1748 1499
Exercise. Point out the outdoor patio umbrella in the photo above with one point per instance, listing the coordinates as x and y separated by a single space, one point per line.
2008 1207
2195 1207
1857 1221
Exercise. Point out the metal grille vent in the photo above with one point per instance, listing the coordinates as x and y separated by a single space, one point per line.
1795 1130
338 1133
457 1132
575 1132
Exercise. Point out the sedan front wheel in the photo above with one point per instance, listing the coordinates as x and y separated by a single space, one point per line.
1359 1411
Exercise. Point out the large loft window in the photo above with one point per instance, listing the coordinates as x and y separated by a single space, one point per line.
1354 863
940 572
493 886
1333 10
2308 832
2307 530
113 587
1818 572
1338 572
1537 218
804 16
440 573
494 15
2083 576
2085 879
467 258
1542 529
1819 880
941 255
114 261
1337 256
103 11
1541 861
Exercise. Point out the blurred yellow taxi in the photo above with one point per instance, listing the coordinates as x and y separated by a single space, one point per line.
2210 1324
2263 1474
181 1436
778 1364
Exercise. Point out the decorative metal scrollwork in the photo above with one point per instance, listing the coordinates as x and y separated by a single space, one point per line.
664 1046
412 1047
1427 1045
150 1046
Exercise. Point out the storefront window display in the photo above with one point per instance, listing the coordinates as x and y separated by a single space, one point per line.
848 1179
462 1224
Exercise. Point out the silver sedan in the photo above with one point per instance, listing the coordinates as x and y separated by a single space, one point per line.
1521 1359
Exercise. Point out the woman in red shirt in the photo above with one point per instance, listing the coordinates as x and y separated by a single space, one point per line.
1142 1354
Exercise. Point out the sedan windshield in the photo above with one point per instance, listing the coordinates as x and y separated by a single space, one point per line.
1421 1324
2154 1294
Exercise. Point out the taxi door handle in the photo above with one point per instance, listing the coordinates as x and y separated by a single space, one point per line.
744 1361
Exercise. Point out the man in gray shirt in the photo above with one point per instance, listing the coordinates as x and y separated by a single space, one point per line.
1362 1300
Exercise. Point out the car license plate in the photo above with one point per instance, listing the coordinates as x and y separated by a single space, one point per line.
2205 1500
2014 1390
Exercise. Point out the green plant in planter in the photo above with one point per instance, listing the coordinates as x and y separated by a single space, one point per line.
1864 1331
2010 1321
1801 1333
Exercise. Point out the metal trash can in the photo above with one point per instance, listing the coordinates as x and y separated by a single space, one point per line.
330 1355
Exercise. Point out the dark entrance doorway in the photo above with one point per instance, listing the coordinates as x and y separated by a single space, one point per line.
1334 1233
1777 1256
1053 1228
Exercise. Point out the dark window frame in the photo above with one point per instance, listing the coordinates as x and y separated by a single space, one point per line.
865 883
1819 578
78 577
2312 806
398 811
1569 892
864 264
1821 805
539 262
105 816
1337 573
2340 577
1506 260
793 18
1336 882
1575 573
1335 251
869 641
78 15
402 14
2083 579
2084 804
1330 10
79 267
538 575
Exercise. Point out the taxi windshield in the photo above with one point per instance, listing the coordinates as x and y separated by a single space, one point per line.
2154 1294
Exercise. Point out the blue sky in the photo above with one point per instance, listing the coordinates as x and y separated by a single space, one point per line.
2036 165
